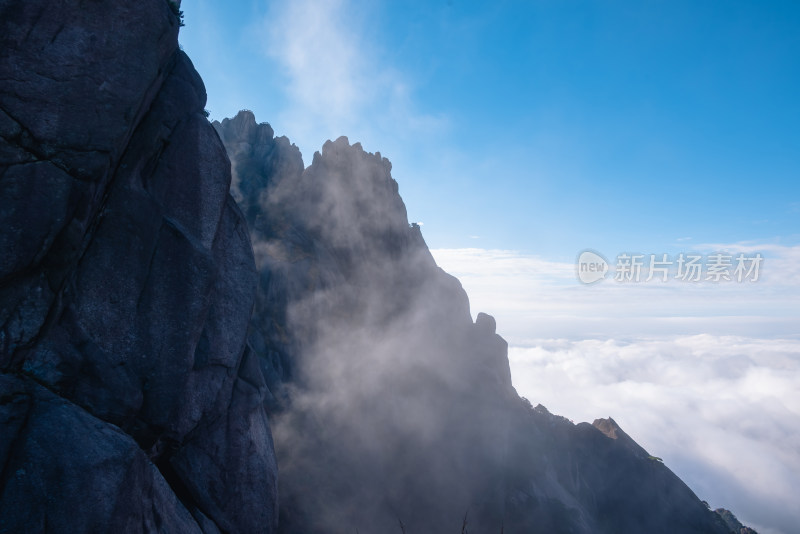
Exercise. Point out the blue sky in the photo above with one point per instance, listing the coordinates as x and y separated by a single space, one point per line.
524 132
545 127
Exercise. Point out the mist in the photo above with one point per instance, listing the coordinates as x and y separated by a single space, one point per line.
391 401
385 390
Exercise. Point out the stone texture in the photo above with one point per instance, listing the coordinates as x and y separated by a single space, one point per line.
67 471
136 386
126 286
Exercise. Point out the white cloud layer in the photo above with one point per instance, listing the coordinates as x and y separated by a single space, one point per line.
706 376
722 411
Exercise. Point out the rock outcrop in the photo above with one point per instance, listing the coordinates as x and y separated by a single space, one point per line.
390 383
129 399
390 404
149 325
733 524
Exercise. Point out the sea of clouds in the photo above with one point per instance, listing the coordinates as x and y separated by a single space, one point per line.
703 375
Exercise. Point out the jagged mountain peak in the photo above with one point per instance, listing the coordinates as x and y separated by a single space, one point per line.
330 148
393 403
610 428
153 334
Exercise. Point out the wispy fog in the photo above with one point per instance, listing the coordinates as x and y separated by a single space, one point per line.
389 397
337 78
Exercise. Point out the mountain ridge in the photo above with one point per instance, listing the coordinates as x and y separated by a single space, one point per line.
165 350
565 487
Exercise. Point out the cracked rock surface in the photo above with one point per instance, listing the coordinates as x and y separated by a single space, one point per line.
129 398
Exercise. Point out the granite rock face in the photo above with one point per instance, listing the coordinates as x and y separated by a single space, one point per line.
390 405
153 333
129 398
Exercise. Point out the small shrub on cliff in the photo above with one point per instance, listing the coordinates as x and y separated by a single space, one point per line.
176 10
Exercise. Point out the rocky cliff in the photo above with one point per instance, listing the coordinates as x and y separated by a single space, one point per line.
154 334
392 408
129 400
